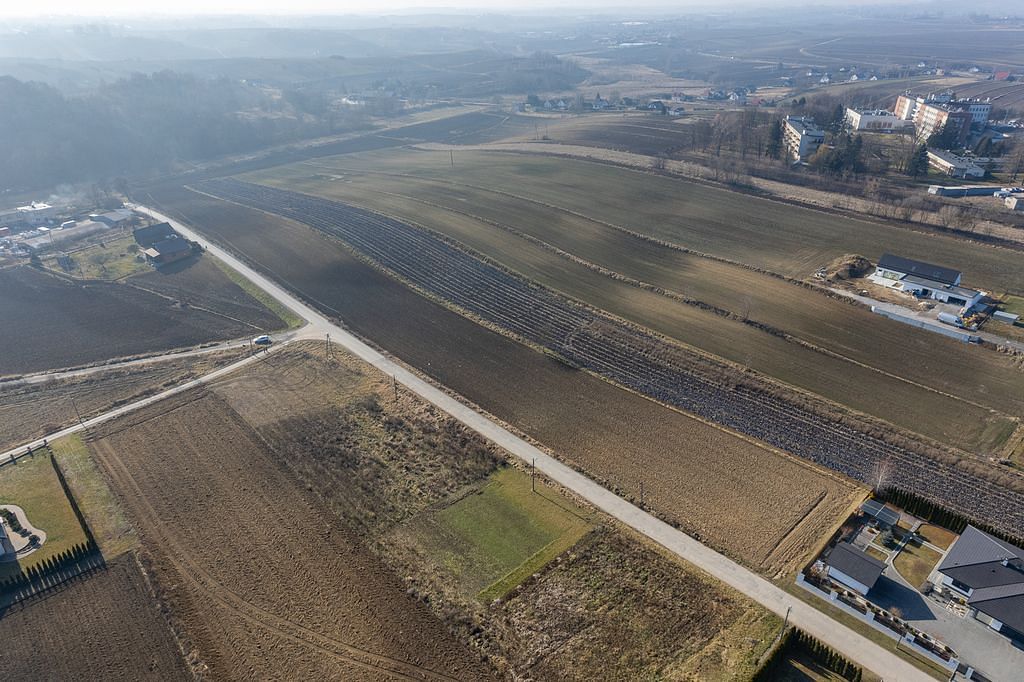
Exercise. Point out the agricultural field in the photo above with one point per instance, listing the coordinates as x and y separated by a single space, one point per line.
633 358
830 347
105 625
438 505
266 580
32 410
778 237
615 435
32 484
74 323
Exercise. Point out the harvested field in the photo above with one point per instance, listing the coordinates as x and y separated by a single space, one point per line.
638 360
30 411
611 607
790 332
106 625
778 237
72 323
375 458
610 433
260 579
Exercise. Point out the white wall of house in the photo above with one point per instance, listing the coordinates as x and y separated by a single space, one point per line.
948 582
841 577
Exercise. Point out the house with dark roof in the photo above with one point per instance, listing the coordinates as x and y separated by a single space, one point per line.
855 569
168 251
151 234
924 280
987 573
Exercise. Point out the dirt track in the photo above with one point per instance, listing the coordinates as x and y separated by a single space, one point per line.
263 582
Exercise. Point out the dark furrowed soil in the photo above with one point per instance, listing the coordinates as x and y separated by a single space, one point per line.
616 436
104 626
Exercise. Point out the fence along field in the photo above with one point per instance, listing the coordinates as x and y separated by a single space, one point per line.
691 470
967 405
632 357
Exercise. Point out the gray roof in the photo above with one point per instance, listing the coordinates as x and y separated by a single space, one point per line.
1008 608
962 292
151 234
172 245
978 547
920 268
862 567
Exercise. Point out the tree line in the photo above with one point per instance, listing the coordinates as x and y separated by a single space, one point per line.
69 558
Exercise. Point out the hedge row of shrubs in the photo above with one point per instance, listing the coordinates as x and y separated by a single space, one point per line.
48 567
797 641
939 515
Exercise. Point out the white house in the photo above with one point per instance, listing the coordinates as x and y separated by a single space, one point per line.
877 120
855 569
924 280
802 136
954 166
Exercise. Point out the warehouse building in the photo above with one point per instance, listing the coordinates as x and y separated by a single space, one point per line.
987 573
924 280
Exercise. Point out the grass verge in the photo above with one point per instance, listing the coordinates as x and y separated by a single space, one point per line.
32 484
109 525
291 320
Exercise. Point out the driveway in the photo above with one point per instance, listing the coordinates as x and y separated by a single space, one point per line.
997 657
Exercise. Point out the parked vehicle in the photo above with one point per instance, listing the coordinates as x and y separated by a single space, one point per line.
263 340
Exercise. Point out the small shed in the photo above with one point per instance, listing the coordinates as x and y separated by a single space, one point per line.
1003 316
855 569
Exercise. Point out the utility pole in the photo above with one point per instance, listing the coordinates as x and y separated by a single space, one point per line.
328 346
641 493
452 153
533 475
394 386
77 413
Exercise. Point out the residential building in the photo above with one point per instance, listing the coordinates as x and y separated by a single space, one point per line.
954 166
924 280
802 136
987 573
36 213
932 113
113 218
151 234
857 570
877 120
168 251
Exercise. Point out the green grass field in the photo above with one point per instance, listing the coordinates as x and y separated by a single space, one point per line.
915 562
493 539
108 260
272 304
32 484
104 515
966 404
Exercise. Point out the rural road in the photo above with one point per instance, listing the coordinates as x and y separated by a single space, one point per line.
851 644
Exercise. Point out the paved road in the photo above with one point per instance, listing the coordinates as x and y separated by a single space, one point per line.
809 619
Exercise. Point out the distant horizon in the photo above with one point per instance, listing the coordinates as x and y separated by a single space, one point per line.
141 9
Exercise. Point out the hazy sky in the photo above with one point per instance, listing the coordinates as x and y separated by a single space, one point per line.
137 7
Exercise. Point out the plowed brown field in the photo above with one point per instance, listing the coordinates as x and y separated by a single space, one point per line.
263 580
103 626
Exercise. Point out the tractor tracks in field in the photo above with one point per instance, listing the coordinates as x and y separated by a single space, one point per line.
204 583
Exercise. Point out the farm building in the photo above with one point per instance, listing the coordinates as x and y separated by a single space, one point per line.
802 136
1015 203
168 251
924 279
964 190
148 236
853 568
989 574
112 218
